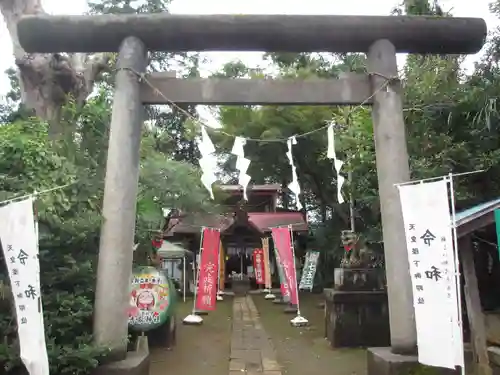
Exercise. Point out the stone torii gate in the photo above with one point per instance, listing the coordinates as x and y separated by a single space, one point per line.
134 35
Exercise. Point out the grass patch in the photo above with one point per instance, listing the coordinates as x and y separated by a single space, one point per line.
200 349
305 350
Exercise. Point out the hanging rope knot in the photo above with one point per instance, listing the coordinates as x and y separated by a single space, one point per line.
141 77
389 79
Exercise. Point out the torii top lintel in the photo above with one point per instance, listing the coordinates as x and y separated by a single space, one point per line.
270 33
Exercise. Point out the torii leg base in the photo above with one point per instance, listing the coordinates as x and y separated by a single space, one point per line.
382 361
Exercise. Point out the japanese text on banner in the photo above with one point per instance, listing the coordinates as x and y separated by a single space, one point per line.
209 261
284 289
20 247
309 271
258 265
283 243
426 216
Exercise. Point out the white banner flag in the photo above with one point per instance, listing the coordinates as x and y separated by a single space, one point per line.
429 240
19 239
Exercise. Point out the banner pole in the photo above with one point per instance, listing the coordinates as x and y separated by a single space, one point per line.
267 269
457 269
299 320
282 297
219 263
439 177
184 279
193 318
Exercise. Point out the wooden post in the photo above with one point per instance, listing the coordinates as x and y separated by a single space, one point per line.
392 167
474 310
119 205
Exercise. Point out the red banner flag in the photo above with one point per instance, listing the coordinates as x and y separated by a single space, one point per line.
258 265
208 269
283 243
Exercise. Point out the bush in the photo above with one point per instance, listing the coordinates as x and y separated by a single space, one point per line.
69 221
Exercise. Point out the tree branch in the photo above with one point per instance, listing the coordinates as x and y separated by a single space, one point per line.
47 81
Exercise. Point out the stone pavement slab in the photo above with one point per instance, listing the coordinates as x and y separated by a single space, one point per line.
251 349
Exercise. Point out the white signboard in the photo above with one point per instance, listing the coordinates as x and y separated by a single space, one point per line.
19 240
309 271
429 240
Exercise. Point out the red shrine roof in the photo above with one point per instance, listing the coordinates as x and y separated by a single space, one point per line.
262 221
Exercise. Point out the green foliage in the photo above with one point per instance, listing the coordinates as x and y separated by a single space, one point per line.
70 219
452 126
68 248
172 136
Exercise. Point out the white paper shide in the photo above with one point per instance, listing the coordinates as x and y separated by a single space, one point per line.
19 240
242 164
294 186
331 154
429 240
208 161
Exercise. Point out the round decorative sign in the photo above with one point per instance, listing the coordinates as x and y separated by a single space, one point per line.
150 299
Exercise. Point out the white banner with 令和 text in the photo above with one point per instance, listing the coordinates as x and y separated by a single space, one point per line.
19 239
429 240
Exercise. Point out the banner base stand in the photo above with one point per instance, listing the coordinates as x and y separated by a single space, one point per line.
193 319
201 312
220 293
270 296
219 297
299 321
266 291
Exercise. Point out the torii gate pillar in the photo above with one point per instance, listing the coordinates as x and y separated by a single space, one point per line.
392 167
114 268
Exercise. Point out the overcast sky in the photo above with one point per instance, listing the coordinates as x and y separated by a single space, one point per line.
459 8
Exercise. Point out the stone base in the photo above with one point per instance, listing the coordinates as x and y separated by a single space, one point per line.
136 363
356 319
381 361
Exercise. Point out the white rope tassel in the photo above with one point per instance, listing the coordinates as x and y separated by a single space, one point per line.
242 164
294 185
208 161
337 163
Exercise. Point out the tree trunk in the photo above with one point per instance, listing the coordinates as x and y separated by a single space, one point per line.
49 81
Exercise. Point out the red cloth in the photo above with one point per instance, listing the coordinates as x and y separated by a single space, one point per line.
283 242
208 270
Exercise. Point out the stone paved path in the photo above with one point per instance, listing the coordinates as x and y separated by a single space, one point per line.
251 348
